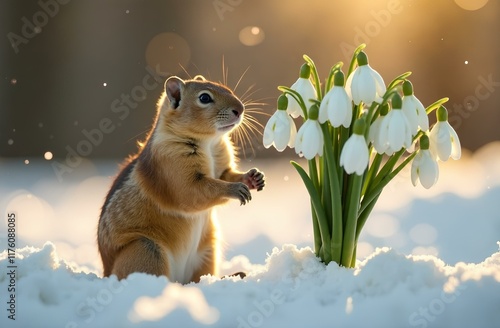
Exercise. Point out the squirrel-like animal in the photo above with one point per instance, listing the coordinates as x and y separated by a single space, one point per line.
157 216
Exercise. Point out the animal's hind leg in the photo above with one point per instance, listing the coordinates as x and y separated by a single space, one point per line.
209 253
207 266
141 255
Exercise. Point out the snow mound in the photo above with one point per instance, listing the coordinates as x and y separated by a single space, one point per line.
293 289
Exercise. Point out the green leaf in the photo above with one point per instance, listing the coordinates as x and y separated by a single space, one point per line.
436 105
321 217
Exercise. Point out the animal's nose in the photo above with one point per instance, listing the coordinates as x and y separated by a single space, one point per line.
238 109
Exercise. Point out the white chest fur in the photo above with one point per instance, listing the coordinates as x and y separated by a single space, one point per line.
185 262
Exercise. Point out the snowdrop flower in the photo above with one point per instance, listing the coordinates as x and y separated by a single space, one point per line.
336 105
280 130
365 84
395 130
444 139
354 156
380 145
414 110
424 167
309 141
306 90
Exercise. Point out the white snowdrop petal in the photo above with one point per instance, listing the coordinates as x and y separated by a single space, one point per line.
429 170
410 111
423 119
293 108
282 132
367 89
456 151
415 169
379 81
348 85
305 142
381 141
363 158
354 156
298 139
396 130
341 108
443 144
293 132
268 136
312 140
324 108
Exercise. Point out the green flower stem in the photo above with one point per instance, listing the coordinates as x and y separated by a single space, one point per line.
388 95
315 75
353 261
329 81
436 105
372 111
297 97
320 213
375 165
349 242
313 173
354 59
364 214
326 192
370 200
388 166
335 202
378 185
399 79
316 232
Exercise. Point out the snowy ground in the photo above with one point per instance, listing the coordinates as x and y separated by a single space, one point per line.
424 280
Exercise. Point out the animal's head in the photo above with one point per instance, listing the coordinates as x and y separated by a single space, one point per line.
202 108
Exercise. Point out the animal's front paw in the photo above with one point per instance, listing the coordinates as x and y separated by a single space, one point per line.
240 191
254 179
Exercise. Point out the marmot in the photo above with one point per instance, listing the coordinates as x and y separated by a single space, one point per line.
157 216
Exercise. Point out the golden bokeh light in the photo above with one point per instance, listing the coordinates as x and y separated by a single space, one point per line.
168 53
471 4
251 36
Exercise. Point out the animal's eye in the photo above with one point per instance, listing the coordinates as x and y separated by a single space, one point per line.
205 98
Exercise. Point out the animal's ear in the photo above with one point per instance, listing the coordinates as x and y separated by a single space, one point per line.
200 78
173 88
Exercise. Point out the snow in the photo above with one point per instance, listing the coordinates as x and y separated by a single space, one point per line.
440 269
293 289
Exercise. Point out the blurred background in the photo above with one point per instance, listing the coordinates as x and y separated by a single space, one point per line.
79 81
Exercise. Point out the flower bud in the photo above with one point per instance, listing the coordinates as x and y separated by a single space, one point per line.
313 112
362 59
282 102
338 79
384 109
305 71
424 142
397 102
442 114
359 126
407 88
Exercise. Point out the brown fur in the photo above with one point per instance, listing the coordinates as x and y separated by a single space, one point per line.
160 206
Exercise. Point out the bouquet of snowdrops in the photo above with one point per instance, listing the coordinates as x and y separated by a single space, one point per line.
357 135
